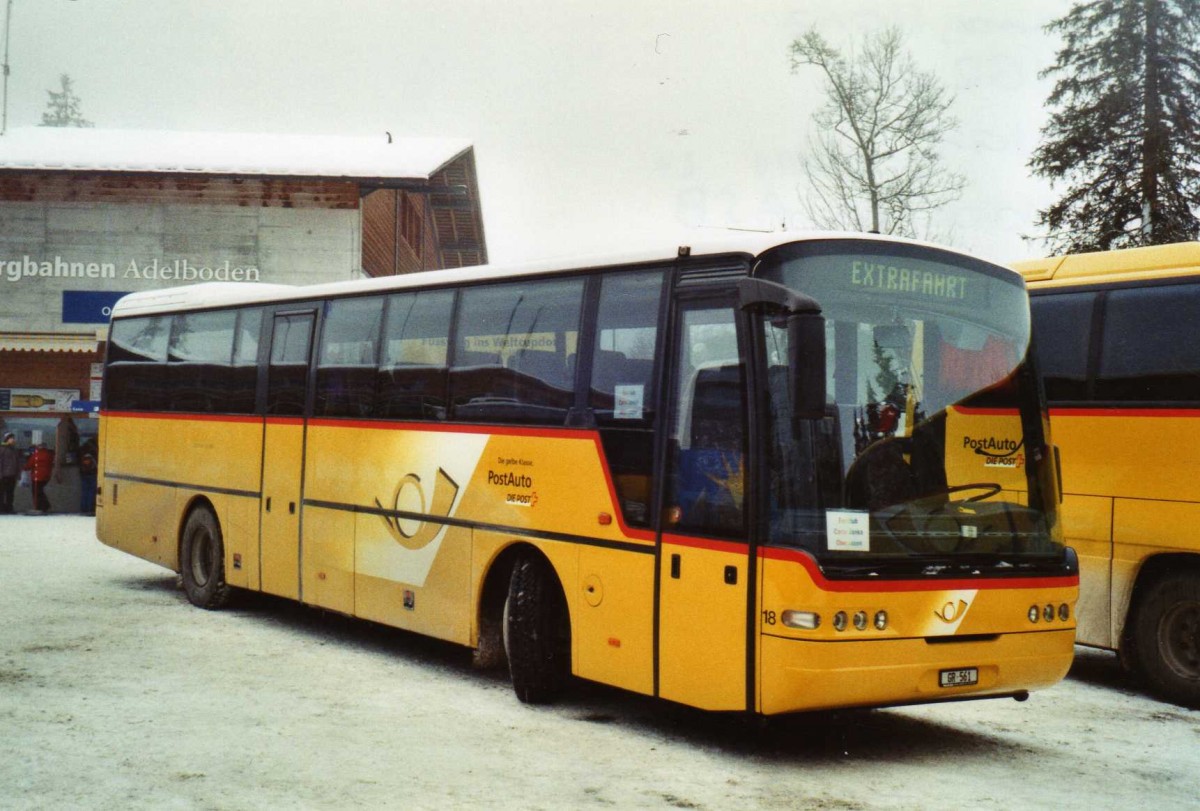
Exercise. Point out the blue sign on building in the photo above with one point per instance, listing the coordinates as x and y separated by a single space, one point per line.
88 306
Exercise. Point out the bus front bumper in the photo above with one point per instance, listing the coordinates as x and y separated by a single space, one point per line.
798 675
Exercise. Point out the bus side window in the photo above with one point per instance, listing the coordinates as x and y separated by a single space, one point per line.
511 349
199 359
1149 353
137 369
622 394
243 378
1061 323
287 374
347 358
706 488
412 373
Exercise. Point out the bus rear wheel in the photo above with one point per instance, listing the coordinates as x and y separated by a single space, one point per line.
537 634
1167 642
202 561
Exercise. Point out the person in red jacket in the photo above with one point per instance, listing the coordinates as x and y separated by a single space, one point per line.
40 465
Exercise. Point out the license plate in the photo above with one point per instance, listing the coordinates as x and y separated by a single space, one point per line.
961 677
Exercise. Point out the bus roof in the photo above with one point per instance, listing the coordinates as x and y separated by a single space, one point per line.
705 243
1154 262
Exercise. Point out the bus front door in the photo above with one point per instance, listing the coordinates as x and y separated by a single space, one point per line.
705 561
283 452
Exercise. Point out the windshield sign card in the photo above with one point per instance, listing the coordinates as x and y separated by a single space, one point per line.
848 531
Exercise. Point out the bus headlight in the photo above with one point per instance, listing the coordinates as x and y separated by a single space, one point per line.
1034 613
1048 613
1064 612
860 620
803 620
839 621
881 619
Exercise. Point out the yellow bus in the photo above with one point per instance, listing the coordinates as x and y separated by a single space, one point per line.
767 475
1118 352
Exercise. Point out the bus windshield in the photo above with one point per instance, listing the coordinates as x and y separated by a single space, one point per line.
931 456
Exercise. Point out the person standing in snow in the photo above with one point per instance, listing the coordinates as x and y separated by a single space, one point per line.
10 468
41 467
87 479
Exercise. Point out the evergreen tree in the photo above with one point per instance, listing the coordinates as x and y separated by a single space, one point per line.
1123 132
62 109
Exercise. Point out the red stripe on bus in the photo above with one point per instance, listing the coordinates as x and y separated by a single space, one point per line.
455 428
1125 412
149 415
823 583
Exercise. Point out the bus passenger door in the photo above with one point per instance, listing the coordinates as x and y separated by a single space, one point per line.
283 452
705 560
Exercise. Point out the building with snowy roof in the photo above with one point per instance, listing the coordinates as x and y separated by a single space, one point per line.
88 215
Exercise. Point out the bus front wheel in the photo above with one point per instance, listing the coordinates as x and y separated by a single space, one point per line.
202 561
1167 639
536 631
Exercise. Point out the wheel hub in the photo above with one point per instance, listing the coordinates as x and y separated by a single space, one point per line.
202 564
1179 634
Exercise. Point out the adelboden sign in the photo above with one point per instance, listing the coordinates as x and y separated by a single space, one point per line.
95 306
28 269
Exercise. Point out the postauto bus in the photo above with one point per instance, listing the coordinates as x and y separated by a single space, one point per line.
1121 367
774 474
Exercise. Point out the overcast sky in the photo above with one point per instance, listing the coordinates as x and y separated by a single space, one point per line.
588 124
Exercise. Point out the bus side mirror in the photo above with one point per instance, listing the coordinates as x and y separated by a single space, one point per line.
806 365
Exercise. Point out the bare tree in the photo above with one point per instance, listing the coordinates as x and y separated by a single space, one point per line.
874 164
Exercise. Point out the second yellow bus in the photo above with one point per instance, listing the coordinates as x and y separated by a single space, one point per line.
1120 356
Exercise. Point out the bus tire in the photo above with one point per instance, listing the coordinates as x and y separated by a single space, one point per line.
537 634
202 560
1167 638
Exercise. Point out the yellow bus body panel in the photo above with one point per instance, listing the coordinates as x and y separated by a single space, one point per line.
1087 521
327 560
1130 264
962 624
799 675
702 625
281 509
171 463
613 626
1129 494
1119 454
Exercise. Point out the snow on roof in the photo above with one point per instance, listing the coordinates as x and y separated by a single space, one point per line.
227 153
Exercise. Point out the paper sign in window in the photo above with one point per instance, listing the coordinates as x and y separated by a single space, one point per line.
848 531
628 402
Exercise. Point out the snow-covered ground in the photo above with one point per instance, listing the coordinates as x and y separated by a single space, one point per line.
115 693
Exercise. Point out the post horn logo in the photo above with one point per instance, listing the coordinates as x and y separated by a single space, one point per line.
952 612
413 529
